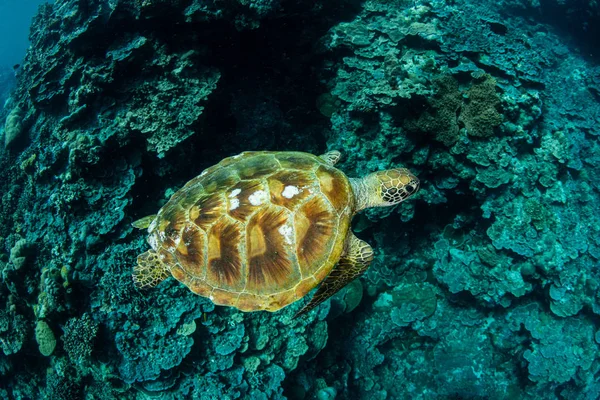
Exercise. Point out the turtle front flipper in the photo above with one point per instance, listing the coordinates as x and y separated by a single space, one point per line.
331 157
150 270
357 259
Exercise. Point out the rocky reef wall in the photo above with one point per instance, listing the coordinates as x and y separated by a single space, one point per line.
485 285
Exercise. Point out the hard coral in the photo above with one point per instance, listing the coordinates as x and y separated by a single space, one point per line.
78 337
480 114
440 119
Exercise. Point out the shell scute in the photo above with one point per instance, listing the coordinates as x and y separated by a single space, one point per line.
192 250
315 224
179 274
190 196
333 186
245 198
198 286
256 166
224 261
208 210
170 224
251 302
290 188
166 257
219 179
297 161
270 255
223 297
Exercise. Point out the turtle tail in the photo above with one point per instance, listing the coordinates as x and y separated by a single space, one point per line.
149 271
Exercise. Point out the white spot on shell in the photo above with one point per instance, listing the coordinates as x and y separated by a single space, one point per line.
234 202
153 242
177 240
287 232
258 197
290 191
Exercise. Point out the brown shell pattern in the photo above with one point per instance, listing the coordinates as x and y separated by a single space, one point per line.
257 231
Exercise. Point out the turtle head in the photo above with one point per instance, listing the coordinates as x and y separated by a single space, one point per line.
395 185
384 188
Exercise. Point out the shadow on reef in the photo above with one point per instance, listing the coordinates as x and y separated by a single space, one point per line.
266 98
577 18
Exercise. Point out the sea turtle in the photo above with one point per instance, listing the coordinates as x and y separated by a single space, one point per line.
260 230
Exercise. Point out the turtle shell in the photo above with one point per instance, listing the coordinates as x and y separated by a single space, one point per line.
257 231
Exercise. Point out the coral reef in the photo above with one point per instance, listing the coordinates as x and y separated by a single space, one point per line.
485 286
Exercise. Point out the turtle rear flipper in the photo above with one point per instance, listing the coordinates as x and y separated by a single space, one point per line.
149 271
357 259
143 223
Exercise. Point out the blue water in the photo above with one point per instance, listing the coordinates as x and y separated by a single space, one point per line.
136 235
15 18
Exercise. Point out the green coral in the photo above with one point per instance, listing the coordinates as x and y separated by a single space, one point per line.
476 109
440 119
493 176
480 115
